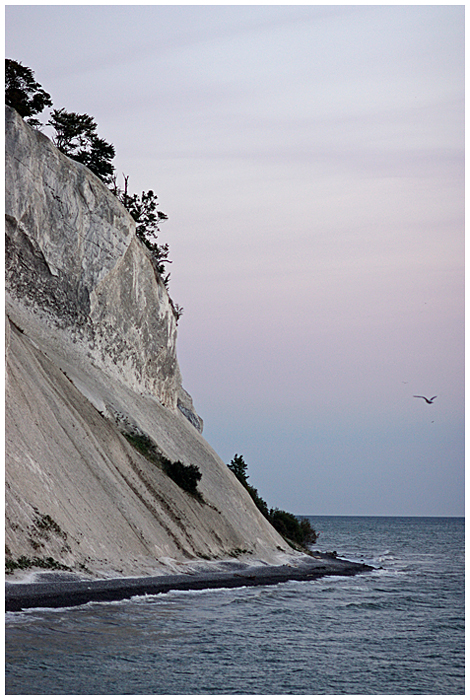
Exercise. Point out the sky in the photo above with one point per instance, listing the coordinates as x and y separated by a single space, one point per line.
311 162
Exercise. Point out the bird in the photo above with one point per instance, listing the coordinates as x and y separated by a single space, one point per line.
423 397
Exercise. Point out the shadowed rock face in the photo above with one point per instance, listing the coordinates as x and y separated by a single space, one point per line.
91 353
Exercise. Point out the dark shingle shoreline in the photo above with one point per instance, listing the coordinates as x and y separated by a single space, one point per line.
61 591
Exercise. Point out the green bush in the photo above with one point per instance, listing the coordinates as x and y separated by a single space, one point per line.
76 137
308 533
288 526
143 209
291 528
187 477
46 524
239 467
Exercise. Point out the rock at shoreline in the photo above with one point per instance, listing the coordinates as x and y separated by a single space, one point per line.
64 592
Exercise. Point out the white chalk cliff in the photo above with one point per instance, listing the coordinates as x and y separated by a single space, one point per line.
91 354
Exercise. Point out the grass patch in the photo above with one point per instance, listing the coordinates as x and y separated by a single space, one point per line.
144 445
46 525
23 562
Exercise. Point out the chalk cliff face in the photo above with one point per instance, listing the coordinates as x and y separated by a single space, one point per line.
91 354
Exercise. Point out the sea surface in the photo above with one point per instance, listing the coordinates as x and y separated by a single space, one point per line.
396 630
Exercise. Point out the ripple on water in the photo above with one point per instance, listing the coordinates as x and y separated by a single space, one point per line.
397 630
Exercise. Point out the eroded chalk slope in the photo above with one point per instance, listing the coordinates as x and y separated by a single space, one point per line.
91 355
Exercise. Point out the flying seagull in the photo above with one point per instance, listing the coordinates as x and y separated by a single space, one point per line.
423 397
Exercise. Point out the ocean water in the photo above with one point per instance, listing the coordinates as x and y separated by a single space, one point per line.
396 630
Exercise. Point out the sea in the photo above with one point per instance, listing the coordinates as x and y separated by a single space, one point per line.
396 630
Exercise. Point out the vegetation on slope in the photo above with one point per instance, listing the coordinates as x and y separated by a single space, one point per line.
23 562
23 93
293 530
76 136
186 477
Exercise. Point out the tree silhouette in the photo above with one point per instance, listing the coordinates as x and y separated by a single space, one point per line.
76 137
23 93
239 467
287 524
143 209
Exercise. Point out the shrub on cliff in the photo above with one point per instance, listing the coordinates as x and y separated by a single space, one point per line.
24 562
23 93
186 477
259 502
289 526
144 211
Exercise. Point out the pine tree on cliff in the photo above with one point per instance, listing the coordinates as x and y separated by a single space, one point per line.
287 524
240 468
23 93
76 137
